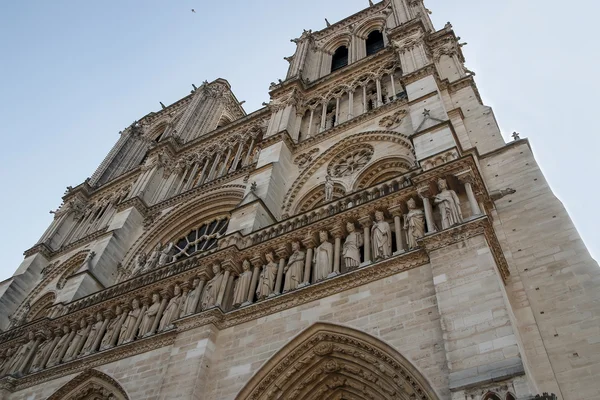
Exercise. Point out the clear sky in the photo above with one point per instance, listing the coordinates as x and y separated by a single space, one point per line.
75 73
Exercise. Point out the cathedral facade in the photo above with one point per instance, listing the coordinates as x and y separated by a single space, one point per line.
367 234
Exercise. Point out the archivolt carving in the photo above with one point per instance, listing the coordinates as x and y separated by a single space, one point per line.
375 23
40 306
382 170
335 151
327 361
91 384
317 196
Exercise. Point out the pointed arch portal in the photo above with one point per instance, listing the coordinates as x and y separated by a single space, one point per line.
91 385
332 362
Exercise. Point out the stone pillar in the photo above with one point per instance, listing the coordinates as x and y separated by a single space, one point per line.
337 111
190 181
203 173
180 184
309 243
364 92
378 84
223 288
248 157
310 123
425 195
366 222
165 294
393 86
282 253
224 167
58 331
396 211
199 296
117 330
257 264
467 180
66 346
350 104
84 337
214 166
236 159
337 233
22 369
323 117
136 328
108 314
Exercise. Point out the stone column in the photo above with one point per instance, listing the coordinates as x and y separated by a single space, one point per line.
396 211
364 91
310 123
57 332
84 337
337 112
393 86
224 282
223 169
309 243
249 155
425 194
199 296
350 104
203 173
66 346
282 253
113 340
190 181
22 369
180 184
165 294
214 166
108 314
257 264
136 328
366 223
467 180
337 233
323 117
236 159
378 84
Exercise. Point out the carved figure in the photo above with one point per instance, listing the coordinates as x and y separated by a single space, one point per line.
328 188
209 299
16 363
351 249
242 286
294 268
127 329
164 257
414 223
191 301
140 262
381 237
6 361
268 276
150 316
323 258
60 346
449 205
107 340
77 339
152 260
173 310
94 332
44 348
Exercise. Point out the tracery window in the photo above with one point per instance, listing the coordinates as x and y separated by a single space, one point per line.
374 42
340 58
200 239
351 161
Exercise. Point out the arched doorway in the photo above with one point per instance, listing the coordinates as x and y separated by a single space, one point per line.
91 385
332 362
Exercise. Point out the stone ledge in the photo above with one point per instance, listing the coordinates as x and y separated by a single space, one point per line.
492 372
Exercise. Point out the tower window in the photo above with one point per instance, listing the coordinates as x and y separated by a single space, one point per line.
374 42
340 58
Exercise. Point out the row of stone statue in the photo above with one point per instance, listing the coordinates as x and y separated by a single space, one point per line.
107 329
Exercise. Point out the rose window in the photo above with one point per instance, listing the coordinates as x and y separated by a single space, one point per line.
200 239
351 161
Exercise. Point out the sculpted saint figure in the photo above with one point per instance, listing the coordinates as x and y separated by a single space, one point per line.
140 262
414 223
351 249
150 315
6 361
381 237
165 257
60 346
127 329
323 258
449 205
268 276
110 333
173 310
209 299
294 268
242 286
191 301
152 260
20 355
328 188
88 348
42 352
77 339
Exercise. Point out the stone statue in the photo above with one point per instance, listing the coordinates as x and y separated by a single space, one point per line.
414 223
294 268
351 249
173 310
268 277
21 354
209 299
448 204
88 348
242 286
150 315
381 237
323 258
152 260
328 188
107 340
60 346
6 361
44 348
77 339
164 257
127 329
191 301
140 262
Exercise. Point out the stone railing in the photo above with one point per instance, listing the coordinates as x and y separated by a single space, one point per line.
246 280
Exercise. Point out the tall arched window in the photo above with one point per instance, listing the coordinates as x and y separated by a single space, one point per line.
374 42
340 58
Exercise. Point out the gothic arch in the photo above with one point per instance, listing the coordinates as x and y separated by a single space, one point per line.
329 361
317 196
215 204
374 24
41 306
332 45
381 170
365 137
491 396
91 385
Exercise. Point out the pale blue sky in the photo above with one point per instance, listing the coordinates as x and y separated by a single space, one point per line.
75 73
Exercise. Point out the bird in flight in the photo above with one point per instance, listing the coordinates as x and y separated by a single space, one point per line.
194 11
